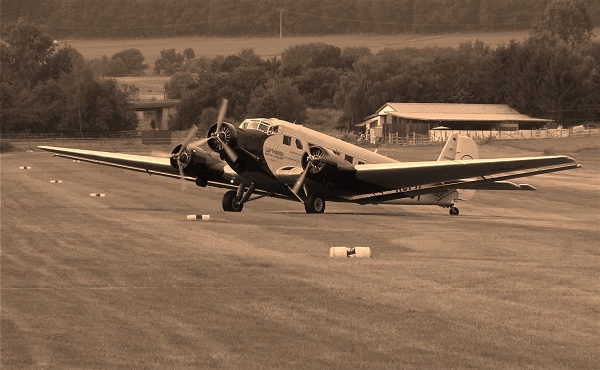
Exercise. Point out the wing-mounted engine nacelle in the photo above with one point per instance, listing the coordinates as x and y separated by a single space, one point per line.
186 160
227 135
322 160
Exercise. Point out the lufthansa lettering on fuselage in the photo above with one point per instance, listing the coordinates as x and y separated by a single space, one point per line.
274 153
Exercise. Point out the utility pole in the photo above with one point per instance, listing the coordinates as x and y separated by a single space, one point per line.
280 24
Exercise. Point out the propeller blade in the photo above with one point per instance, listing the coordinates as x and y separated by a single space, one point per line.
191 134
222 112
298 185
197 143
160 154
230 153
181 175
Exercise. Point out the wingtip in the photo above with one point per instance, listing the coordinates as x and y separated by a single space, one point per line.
527 187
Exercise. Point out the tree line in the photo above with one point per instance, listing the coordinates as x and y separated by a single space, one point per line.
555 74
542 77
162 18
50 89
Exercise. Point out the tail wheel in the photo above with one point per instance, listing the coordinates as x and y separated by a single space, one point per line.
453 211
314 203
231 203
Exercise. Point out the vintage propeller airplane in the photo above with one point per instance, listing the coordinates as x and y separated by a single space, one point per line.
271 157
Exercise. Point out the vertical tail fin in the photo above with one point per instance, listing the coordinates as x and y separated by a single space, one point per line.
459 148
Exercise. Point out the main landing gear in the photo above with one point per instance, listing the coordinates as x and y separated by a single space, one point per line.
314 203
231 203
233 200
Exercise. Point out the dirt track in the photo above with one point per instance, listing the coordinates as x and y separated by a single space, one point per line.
125 281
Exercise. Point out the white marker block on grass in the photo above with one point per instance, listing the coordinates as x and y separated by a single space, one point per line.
25 167
348 252
198 217
56 181
97 195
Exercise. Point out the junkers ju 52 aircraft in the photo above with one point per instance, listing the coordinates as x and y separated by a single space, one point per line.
271 157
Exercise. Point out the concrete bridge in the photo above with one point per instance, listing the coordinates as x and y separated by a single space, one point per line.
161 108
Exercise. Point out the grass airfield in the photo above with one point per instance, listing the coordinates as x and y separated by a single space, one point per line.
126 281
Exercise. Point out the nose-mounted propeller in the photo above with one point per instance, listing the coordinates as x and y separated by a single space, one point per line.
314 161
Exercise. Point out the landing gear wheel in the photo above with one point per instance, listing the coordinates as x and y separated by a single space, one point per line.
453 211
314 203
201 182
231 203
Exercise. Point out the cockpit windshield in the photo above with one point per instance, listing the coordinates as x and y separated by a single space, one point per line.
261 125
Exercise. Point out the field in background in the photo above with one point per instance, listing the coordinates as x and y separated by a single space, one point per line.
273 47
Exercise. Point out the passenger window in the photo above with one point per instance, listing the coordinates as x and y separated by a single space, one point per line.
298 144
287 140
349 158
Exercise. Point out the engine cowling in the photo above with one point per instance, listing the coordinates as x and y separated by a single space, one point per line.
228 134
316 153
184 159
189 160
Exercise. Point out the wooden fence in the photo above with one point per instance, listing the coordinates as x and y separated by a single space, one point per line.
442 135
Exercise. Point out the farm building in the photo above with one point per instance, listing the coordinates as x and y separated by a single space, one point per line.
402 119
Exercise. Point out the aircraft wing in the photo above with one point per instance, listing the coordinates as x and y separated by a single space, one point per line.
220 173
458 174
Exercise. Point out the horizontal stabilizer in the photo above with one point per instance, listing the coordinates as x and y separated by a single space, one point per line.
502 185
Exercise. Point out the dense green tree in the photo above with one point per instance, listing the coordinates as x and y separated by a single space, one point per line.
510 14
23 53
351 54
49 90
169 62
312 55
179 83
279 99
128 62
194 102
568 20
189 53
318 86
360 92
208 117
544 77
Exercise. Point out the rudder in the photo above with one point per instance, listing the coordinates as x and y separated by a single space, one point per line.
459 148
